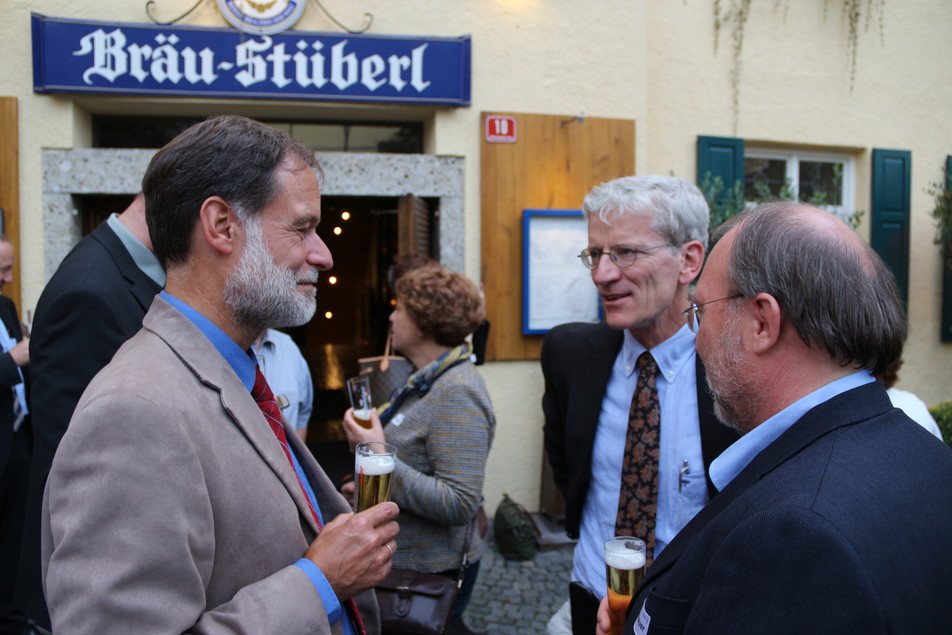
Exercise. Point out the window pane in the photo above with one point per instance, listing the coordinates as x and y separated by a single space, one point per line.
764 178
821 182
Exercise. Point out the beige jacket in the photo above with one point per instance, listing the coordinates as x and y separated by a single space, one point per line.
170 508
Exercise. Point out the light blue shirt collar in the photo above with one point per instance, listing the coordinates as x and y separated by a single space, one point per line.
144 259
242 362
735 458
671 355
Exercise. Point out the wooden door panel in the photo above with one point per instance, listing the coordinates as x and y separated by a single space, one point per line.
554 162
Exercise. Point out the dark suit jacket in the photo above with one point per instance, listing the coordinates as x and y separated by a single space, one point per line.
172 508
14 463
577 361
9 377
93 303
841 525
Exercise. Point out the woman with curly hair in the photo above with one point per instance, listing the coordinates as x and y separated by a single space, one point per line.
441 423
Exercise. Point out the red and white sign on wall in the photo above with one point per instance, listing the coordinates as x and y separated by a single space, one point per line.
500 129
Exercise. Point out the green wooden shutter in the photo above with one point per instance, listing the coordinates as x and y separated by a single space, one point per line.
720 158
892 171
946 321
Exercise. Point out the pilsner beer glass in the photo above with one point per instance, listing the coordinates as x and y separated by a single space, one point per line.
624 568
358 389
373 465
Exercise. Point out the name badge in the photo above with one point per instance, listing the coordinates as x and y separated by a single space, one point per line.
397 420
643 621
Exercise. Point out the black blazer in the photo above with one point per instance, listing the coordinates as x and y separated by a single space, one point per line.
577 361
93 303
839 526
9 377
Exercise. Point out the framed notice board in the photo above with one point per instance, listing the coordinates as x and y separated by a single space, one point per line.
556 287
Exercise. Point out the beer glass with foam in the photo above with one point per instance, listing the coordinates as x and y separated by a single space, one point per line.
624 569
358 389
373 466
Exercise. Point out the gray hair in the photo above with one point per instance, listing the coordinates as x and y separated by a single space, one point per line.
678 209
837 293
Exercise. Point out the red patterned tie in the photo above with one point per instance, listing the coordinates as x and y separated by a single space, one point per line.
272 413
638 499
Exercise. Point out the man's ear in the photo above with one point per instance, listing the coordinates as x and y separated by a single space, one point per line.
766 318
219 225
692 259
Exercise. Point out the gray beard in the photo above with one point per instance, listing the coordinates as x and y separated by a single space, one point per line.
263 295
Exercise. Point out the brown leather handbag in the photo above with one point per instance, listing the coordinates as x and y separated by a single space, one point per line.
413 602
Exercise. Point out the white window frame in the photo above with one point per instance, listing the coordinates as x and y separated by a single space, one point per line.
793 158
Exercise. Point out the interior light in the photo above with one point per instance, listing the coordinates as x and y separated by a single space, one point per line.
328 315
337 231
345 215
332 279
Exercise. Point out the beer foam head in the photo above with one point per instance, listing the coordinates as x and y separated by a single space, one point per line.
624 559
372 464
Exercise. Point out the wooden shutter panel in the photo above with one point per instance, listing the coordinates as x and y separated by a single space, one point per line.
413 226
946 320
720 157
892 171
10 189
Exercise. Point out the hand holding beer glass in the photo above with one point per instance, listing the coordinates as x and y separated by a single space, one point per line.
624 568
358 389
373 466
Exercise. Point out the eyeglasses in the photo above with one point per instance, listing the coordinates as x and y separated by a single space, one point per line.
692 315
623 256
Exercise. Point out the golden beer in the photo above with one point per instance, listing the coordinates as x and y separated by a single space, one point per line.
624 570
362 417
374 474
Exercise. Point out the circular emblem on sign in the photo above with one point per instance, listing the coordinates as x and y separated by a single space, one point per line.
261 17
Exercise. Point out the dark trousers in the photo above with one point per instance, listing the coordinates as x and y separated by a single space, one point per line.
13 489
584 609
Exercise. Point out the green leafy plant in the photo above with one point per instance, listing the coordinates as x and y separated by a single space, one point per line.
942 413
942 213
726 202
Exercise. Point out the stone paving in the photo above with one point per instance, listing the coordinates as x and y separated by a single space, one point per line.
519 597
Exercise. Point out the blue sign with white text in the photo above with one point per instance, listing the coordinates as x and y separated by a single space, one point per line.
142 59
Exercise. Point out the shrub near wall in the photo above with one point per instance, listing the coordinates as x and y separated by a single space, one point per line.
942 413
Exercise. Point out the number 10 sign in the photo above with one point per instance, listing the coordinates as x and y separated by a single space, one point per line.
500 129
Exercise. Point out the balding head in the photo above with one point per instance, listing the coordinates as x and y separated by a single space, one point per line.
831 286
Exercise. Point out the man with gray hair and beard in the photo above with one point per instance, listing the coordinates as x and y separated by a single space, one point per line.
829 516
179 500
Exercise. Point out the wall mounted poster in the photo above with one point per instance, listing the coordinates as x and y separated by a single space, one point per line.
556 287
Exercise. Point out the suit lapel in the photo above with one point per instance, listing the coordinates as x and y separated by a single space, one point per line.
204 360
851 407
590 373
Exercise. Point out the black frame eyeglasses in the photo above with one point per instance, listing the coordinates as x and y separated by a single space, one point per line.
623 256
692 314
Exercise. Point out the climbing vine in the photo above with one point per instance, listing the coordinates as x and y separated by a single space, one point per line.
733 14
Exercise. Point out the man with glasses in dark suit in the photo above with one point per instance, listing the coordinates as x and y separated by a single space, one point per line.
646 241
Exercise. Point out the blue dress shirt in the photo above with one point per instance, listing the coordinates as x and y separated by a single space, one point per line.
243 363
680 446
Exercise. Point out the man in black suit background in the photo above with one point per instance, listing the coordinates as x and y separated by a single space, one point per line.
15 435
646 242
93 303
832 514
